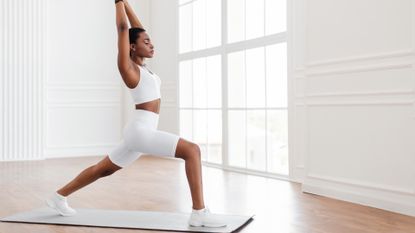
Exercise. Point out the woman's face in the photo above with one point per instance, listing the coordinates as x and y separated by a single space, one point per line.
143 46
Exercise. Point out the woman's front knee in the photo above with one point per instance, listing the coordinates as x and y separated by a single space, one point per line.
187 150
193 152
196 149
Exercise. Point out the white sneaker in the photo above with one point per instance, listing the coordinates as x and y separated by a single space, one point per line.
203 218
60 204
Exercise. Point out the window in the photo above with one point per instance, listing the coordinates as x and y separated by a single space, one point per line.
233 82
200 105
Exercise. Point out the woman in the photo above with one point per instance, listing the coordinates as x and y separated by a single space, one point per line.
140 133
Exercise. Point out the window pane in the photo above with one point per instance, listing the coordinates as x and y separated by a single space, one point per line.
214 25
236 20
277 141
255 77
236 79
254 19
199 24
275 16
214 81
185 28
255 132
185 84
215 136
186 124
200 131
199 83
237 136
277 75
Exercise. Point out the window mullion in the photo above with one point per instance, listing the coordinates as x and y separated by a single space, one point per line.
266 110
207 86
246 114
224 61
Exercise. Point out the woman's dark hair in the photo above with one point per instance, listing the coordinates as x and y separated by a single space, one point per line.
134 34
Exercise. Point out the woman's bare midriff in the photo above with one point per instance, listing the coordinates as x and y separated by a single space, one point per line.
152 106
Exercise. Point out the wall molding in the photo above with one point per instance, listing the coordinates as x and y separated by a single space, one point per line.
359 58
297 173
82 87
24 158
359 69
395 202
394 199
168 85
84 84
299 70
387 188
363 93
84 104
357 103
77 152
93 145
301 105
299 77
169 104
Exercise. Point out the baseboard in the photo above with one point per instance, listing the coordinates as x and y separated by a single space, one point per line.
398 202
77 152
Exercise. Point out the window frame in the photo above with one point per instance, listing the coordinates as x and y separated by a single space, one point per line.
223 50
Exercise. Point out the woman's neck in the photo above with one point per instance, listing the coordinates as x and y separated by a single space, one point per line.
138 60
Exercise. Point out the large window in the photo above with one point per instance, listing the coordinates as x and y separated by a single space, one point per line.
233 82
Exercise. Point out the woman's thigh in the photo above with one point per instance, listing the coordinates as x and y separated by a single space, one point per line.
155 142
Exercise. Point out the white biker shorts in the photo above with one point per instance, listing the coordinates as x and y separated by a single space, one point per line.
142 137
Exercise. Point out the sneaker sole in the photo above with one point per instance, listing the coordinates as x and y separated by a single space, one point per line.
207 226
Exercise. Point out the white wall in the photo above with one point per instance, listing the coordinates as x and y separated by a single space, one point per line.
84 93
164 34
22 79
61 93
87 103
353 101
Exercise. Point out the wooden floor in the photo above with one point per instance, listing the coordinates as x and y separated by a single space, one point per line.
157 184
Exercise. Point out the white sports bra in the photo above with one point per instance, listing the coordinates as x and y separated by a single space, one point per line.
148 87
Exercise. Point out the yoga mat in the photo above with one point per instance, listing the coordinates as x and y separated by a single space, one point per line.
150 220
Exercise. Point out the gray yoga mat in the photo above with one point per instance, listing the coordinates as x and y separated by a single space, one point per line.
149 220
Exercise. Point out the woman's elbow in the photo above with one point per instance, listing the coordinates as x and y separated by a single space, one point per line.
122 27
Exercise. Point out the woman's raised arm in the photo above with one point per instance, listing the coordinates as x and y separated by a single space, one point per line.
125 65
132 17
